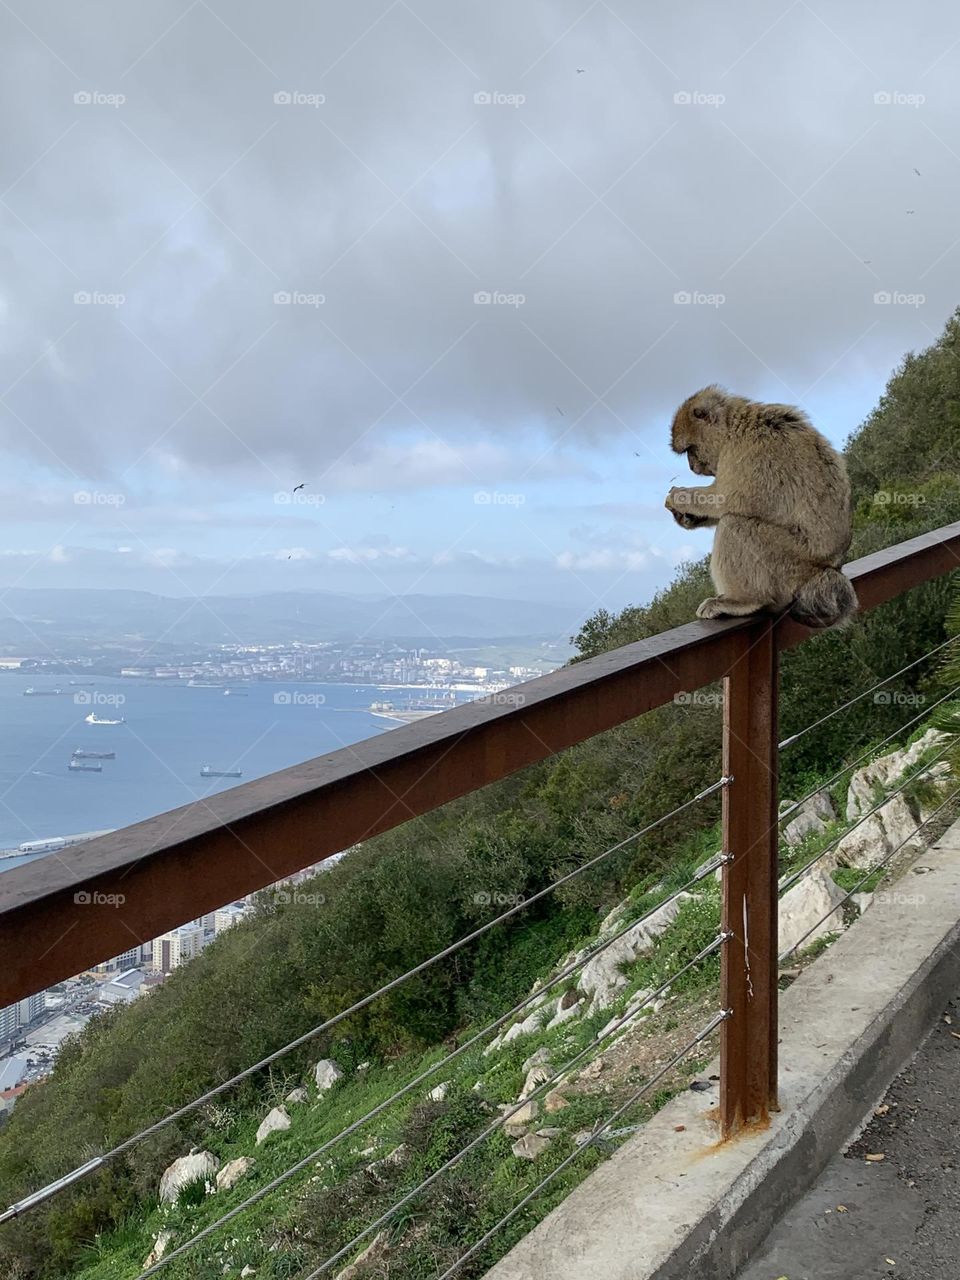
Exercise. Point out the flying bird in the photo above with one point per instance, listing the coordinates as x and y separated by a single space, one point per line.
299 486
917 172
560 411
581 70
911 211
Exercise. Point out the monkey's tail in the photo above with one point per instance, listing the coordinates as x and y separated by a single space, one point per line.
825 600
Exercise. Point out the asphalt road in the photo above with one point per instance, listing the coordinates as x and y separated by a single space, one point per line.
896 1217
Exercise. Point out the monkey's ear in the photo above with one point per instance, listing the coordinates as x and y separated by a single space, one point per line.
700 412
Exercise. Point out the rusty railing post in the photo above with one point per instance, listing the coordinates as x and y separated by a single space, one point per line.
748 1045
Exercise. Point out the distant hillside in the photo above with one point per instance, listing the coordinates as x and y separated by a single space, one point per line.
57 617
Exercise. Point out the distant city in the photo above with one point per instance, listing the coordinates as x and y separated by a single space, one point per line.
33 1030
376 662
419 680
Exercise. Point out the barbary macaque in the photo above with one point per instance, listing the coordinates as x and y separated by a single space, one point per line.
780 502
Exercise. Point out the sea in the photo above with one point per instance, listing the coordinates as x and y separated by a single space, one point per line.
169 731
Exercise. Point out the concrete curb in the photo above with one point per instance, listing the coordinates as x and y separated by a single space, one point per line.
669 1204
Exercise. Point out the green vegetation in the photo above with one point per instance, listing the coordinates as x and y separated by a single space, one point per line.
405 895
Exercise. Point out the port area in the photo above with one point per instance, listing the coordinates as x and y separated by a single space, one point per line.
52 844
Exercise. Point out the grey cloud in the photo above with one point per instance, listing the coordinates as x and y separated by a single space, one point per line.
598 198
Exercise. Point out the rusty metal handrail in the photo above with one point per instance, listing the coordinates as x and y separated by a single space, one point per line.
185 863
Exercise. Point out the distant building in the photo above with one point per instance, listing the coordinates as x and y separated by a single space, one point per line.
9 1021
32 1007
172 949
229 915
13 1071
126 960
123 988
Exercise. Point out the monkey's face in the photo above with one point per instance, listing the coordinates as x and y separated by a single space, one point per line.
697 429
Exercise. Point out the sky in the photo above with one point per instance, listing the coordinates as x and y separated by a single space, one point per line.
449 267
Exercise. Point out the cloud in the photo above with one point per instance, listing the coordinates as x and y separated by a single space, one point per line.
241 282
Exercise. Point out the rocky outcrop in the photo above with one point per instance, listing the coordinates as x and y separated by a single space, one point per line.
602 977
812 818
233 1171
880 775
198 1164
806 904
326 1073
530 1146
160 1246
538 1074
893 826
273 1122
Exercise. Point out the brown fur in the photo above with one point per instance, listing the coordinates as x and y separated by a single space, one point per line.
780 501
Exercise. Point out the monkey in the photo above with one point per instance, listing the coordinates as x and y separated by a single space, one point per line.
780 503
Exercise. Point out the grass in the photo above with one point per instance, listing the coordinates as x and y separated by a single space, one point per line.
335 1196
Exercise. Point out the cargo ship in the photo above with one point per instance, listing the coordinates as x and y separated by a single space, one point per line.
93 718
85 766
41 693
207 772
78 753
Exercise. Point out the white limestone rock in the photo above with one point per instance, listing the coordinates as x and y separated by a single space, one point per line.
298 1095
565 1013
273 1122
536 1076
540 1057
160 1246
326 1073
233 1171
439 1091
807 903
530 1146
198 1164
602 977
884 772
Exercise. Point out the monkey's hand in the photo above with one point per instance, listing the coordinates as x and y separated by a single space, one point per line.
685 510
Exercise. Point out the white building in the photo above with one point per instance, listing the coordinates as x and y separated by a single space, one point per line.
231 914
31 1007
123 988
174 948
9 1021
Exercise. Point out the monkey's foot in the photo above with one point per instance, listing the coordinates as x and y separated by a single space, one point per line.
725 607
